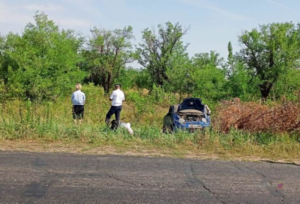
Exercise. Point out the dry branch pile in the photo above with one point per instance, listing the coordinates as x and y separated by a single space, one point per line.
255 117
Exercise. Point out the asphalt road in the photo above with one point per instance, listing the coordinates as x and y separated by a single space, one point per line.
68 178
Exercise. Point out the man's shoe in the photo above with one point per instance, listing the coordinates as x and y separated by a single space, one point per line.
107 121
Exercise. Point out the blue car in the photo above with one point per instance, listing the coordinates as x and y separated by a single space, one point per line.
190 115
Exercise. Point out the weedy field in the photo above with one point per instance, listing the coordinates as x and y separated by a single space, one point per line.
239 131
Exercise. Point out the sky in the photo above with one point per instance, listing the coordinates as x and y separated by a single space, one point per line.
212 23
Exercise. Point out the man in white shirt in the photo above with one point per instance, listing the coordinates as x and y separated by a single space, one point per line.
117 97
78 100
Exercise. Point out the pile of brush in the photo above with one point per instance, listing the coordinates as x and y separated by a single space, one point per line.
256 117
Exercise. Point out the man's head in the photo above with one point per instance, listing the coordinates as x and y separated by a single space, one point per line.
78 86
117 86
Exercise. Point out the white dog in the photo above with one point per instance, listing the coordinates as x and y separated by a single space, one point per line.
127 126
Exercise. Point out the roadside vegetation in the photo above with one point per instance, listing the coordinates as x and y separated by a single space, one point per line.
254 93
51 123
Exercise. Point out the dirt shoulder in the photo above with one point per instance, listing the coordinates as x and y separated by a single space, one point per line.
126 150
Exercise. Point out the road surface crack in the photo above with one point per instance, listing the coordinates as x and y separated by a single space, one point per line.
119 179
203 185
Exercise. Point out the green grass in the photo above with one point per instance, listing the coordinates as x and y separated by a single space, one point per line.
52 122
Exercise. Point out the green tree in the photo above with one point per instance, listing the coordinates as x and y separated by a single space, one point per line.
8 66
268 52
128 77
144 80
108 53
239 83
179 72
208 77
230 65
41 63
212 58
288 86
156 51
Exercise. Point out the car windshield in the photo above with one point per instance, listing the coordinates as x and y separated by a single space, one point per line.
192 103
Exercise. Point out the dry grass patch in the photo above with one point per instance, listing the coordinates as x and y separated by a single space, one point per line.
256 117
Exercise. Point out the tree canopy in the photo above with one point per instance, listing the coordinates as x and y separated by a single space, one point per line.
45 61
269 52
108 53
42 62
156 51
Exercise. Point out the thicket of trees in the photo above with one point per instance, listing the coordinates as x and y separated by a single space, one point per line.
44 62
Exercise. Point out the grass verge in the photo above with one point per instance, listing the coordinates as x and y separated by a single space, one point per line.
49 127
151 142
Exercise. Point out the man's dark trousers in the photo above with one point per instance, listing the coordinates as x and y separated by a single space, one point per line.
113 110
